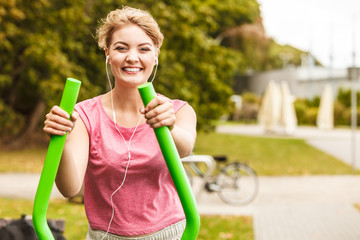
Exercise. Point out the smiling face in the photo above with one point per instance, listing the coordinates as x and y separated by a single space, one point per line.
132 55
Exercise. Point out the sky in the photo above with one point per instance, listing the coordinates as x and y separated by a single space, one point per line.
323 27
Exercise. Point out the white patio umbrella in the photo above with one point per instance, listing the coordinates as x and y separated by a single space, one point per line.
288 119
270 107
325 117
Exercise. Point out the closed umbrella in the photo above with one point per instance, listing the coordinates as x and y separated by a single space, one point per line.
325 117
288 119
270 107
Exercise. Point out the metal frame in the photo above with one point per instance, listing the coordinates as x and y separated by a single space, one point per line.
210 163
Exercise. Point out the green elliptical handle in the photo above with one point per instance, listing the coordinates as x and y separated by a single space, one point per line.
176 170
51 165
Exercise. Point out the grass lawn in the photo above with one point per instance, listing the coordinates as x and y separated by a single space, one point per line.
27 160
212 227
271 156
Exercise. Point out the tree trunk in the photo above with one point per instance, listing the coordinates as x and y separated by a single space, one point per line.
22 139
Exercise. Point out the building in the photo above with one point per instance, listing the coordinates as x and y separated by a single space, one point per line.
306 81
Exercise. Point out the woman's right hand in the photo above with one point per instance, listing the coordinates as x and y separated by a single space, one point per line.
58 123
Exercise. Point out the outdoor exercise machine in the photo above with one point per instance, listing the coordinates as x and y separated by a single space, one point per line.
51 164
55 149
176 169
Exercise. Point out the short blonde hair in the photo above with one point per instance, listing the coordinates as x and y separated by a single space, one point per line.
126 15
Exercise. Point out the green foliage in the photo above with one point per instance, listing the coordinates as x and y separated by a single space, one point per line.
249 97
10 122
311 114
344 97
300 109
339 109
44 41
342 107
306 110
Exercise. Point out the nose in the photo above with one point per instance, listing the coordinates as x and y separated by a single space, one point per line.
132 56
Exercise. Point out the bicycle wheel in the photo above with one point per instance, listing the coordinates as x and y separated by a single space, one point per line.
238 184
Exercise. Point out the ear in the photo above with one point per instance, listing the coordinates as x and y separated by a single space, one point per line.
106 52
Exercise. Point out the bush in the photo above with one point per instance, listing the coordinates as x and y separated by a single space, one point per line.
306 110
310 115
300 109
339 109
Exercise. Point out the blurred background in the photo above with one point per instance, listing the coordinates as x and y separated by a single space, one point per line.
264 68
211 52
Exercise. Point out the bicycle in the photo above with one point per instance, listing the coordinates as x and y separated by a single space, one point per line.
236 184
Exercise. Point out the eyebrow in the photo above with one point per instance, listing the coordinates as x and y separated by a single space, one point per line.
124 43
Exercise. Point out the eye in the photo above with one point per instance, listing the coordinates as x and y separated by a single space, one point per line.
145 49
120 48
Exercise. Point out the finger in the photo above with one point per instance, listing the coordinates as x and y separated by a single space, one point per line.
56 110
166 122
142 110
74 116
164 119
155 102
59 126
59 120
52 131
157 111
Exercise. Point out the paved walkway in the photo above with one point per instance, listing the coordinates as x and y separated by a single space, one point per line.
309 207
286 208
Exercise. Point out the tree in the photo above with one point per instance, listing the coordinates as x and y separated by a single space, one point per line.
46 41
193 65
43 43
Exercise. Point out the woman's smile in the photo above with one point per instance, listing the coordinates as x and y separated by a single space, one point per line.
132 70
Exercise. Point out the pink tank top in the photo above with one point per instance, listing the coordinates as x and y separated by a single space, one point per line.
148 201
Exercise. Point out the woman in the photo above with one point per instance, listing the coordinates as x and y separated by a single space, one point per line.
111 145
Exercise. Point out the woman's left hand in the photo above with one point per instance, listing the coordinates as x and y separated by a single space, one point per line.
159 112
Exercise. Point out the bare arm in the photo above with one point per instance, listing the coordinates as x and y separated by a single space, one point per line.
74 159
160 112
184 130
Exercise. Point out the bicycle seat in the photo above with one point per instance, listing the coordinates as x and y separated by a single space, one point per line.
221 158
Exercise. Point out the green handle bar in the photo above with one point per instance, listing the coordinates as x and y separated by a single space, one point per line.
51 165
176 170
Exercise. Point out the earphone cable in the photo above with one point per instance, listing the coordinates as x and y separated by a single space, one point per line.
128 145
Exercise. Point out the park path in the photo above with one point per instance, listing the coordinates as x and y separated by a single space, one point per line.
307 207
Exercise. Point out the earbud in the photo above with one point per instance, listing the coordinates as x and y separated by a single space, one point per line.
107 58
156 61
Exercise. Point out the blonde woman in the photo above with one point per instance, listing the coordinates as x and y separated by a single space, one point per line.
111 146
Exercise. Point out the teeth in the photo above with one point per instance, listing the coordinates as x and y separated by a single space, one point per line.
132 69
